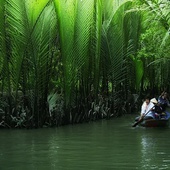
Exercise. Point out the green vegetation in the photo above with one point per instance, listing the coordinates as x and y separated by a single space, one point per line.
71 61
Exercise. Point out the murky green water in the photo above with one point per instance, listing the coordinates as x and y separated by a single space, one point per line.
103 145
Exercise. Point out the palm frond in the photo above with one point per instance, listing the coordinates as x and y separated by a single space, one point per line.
98 37
2 42
78 19
35 9
116 42
18 25
65 11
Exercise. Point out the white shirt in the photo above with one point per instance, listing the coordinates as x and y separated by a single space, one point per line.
145 108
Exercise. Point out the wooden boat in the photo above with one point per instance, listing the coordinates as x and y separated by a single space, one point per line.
161 122
155 123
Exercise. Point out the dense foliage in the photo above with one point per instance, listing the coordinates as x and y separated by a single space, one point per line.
70 61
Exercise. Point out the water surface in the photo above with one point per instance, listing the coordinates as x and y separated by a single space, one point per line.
102 145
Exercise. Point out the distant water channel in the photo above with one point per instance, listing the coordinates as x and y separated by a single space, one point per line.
103 145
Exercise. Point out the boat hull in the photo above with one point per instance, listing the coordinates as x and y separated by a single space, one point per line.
155 123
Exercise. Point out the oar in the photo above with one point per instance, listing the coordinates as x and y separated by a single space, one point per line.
141 120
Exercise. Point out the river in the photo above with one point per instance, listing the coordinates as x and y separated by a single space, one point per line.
102 145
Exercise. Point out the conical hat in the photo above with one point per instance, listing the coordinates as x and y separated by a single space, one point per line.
154 100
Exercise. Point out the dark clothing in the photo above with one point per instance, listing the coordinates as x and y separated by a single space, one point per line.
163 102
158 109
164 106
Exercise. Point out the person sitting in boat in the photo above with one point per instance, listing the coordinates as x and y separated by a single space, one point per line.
163 100
147 108
158 111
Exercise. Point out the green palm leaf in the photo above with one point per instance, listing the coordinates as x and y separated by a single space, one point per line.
75 20
18 25
40 59
27 47
4 67
66 17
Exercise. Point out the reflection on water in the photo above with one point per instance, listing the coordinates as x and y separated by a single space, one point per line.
107 144
155 149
